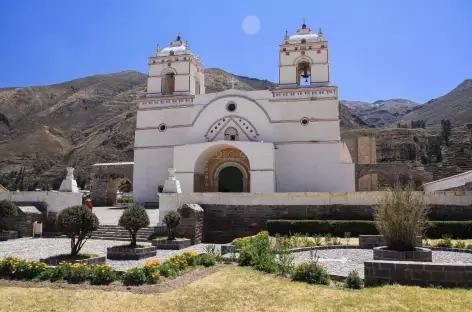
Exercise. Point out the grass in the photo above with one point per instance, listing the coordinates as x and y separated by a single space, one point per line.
239 289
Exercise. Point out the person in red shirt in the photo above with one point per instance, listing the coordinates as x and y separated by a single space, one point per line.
88 202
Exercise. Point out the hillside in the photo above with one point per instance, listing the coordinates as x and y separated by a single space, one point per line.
86 121
455 106
382 112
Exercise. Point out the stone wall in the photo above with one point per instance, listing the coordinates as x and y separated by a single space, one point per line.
371 241
378 273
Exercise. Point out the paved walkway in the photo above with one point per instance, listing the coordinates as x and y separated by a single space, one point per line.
111 215
36 248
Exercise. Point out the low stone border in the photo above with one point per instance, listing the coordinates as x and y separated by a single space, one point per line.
378 273
127 253
4 236
53 261
450 249
172 244
372 241
419 254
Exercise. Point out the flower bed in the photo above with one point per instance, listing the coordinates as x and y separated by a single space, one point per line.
172 244
419 254
80 258
131 253
102 274
6 235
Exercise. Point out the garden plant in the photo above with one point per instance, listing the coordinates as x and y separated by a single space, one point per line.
133 219
7 209
78 223
172 221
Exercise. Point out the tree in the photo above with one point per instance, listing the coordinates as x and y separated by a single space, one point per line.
125 187
446 130
7 209
133 219
78 223
400 216
172 221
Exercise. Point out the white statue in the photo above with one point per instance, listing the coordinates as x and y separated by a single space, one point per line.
172 185
69 184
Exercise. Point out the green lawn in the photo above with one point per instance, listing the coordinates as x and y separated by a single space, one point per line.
239 289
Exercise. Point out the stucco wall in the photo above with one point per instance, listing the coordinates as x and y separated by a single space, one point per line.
56 201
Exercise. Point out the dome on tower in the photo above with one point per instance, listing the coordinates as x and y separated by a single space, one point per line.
304 33
177 47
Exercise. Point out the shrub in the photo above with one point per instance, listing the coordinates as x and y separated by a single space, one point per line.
134 277
6 266
101 274
27 270
353 280
75 273
459 244
172 220
151 269
191 257
436 229
469 246
7 209
133 219
78 223
55 274
169 270
446 241
400 216
178 261
311 272
207 260
258 253
321 227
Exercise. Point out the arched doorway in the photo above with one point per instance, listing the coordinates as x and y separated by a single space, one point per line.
230 180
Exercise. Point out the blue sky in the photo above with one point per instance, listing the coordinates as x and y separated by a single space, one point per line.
379 49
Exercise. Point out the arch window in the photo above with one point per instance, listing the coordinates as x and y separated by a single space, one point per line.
231 134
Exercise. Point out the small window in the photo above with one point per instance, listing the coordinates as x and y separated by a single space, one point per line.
303 40
231 107
232 138
162 127
304 121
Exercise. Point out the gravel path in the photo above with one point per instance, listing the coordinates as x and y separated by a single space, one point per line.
36 248
342 261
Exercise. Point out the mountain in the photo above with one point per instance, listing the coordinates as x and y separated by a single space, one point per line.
86 121
382 112
455 106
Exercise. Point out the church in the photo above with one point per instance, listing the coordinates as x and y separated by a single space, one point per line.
286 139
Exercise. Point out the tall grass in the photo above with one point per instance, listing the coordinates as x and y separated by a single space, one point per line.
400 216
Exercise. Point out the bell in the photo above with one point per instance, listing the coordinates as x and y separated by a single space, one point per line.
306 80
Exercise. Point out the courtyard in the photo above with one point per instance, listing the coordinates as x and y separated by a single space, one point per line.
234 288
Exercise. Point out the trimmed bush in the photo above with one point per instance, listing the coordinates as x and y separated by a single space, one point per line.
7 209
436 229
133 219
172 221
321 227
134 277
78 223
207 260
101 274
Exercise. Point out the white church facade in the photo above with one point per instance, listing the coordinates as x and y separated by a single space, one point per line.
282 140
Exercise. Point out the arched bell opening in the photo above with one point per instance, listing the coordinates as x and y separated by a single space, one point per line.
303 74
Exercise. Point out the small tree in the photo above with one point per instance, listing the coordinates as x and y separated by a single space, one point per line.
133 219
78 223
172 221
400 216
7 209
446 130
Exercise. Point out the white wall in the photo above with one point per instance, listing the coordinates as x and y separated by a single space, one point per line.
312 167
449 182
150 170
170 202
56 201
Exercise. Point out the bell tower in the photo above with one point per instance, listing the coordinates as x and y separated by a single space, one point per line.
304 59
175 71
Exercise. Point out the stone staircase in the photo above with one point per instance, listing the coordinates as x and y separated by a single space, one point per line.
115 232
